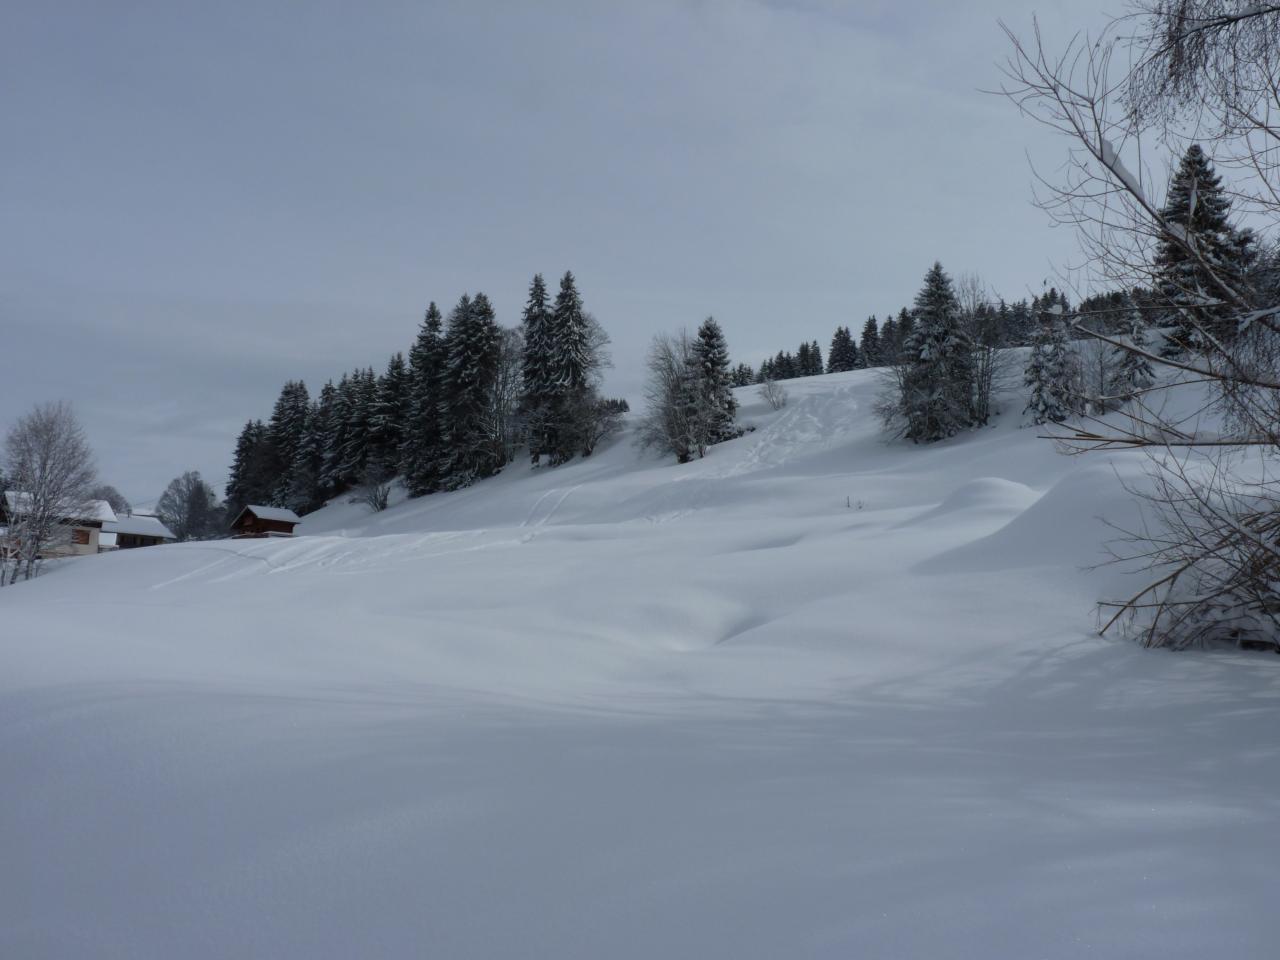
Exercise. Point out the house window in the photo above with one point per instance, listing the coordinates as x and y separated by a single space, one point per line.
80 536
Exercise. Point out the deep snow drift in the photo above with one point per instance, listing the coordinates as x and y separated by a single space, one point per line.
814 695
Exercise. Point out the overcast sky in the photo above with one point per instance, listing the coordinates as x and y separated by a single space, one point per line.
201 201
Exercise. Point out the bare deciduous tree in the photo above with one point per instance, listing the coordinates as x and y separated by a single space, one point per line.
773 393
503 422
674 420
105 491
50 470
992 366
189 508
597 421
1207 70
1096 364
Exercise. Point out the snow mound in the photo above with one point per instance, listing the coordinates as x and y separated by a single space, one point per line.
1066 527
985 495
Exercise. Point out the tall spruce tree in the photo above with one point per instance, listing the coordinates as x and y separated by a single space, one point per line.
576 344
715 399
1190 281
284 435
571 337
331 476
803 363
358 430
251 478
938 379
422 454
815 359
472 344
1004 323
307 491
1133 371
869 343
539 377
1051 373
388 419
890 345
843 354
304 475
1022 321
235 494
906 325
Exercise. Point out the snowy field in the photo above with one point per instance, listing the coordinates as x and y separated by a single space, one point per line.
813 696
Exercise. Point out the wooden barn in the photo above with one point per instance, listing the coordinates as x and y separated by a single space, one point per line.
255 521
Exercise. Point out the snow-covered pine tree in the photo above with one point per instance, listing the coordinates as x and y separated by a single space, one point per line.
714 388
1022 327
356 446
833 351
284 435
1106 312
331 475
1051 373
803 365
938 377
388 419
472 343
307 492
304 476
854 359
571 337
538 375
1004 322
1198 204
869 352
890 344
576 344
1132 371
250 480
815 359
233 492
422 453
1051 302
906 325
843 354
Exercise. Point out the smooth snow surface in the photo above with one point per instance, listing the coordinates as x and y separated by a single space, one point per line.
813 696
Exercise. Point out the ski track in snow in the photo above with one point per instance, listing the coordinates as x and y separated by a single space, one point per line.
560 497
815 695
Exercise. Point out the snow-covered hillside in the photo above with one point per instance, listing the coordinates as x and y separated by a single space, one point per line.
812 696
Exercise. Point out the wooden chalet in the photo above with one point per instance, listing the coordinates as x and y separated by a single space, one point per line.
77 534
129 532
255 521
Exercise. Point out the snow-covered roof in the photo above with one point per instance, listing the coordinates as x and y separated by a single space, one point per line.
91 511
272 513
139 526
101 510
